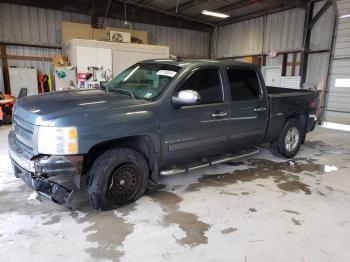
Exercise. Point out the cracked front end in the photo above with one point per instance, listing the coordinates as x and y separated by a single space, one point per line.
37 170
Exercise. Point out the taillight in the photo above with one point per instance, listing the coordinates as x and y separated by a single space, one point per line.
311 104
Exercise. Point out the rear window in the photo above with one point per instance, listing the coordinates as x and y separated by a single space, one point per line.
244 84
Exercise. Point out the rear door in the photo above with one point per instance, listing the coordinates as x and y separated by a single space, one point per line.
196 131
248 109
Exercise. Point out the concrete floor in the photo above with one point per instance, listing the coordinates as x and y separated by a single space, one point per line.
261 209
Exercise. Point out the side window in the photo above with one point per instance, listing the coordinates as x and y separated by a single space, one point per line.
244 84
207 83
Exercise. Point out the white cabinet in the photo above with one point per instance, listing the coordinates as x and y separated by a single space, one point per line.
272 75
23 77
111 55
88 57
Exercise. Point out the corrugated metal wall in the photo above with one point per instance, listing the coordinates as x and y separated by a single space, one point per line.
321 39
284 32
30 25
238 39
338 100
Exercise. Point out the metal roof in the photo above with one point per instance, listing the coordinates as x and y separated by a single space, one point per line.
176 13
236 9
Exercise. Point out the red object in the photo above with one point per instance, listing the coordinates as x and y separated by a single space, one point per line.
6 105
81 76
41 84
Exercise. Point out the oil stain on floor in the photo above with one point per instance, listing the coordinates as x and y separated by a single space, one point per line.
108 231
284 174
194 228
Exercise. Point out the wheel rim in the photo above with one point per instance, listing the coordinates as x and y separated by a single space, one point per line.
125 183
292 139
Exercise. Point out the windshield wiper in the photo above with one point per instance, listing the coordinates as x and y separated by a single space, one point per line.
125 92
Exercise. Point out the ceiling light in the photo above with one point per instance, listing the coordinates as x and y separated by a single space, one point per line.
344 16
221 15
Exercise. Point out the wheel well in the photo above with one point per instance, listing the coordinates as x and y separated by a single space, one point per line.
142 144
302 119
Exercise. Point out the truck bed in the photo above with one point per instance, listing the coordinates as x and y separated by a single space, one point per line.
274 91
285 103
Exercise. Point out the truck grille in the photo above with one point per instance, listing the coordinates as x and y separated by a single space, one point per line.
24 134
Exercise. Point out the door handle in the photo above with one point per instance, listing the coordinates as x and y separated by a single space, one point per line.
219 114
260 109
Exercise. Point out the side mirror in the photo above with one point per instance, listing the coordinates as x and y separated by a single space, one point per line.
186 98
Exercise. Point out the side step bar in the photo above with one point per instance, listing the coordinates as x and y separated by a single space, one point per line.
181 170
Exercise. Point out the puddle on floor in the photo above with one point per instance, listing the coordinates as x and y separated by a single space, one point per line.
284 174
52 220
324 148
194 228
315 144
108 230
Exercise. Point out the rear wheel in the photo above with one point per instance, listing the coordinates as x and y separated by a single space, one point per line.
289 141
117 177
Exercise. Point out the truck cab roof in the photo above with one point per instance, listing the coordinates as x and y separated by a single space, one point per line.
190 63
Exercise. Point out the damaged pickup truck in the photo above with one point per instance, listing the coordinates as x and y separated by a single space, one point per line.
158 117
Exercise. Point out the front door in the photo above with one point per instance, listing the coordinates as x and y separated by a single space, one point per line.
193 132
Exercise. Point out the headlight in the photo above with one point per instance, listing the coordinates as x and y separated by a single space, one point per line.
57 140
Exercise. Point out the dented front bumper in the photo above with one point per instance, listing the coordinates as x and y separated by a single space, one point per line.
37 172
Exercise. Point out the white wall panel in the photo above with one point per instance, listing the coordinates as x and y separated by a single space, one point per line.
317 68
284 32
338 99
321 35
242 38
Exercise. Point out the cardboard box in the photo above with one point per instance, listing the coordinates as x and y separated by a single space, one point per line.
60 61
70 30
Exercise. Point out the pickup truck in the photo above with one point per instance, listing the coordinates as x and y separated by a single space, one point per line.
158 117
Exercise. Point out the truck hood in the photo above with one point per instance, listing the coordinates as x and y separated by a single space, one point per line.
43 108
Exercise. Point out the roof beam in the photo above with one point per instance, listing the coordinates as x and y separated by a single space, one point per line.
187 5
135 12
236 5
272 10
319 14
295 3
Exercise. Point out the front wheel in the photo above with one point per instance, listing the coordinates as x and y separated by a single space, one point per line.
116 178
289 141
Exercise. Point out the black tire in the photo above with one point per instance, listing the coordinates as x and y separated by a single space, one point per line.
106 190
290 149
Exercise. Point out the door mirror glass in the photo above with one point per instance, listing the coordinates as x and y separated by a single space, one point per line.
186 98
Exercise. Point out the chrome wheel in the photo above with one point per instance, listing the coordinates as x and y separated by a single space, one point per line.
292 139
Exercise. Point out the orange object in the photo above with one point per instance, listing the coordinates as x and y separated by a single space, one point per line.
6 105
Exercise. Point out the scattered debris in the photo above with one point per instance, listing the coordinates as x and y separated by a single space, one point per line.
329 169
228 230
252 210
34 198
291 212
296 222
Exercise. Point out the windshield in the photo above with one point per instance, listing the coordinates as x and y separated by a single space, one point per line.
144 81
